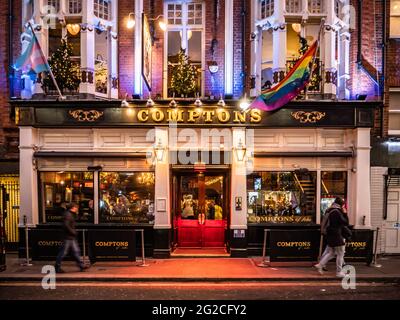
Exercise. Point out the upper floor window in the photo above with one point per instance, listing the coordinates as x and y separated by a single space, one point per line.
293 6
74 6
53 6
266 8
395 19
315 6
185 31
102 9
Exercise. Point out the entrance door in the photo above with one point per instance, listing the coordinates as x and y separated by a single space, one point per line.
392 223
201 210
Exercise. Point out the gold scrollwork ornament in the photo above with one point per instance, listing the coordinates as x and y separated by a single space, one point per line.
308 117
86 115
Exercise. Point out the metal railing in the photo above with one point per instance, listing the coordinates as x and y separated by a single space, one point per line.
264 262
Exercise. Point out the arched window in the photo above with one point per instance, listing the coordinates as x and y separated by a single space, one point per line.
266 8
74 6
102 9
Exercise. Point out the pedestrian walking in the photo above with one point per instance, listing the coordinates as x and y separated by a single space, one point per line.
70 239
334 227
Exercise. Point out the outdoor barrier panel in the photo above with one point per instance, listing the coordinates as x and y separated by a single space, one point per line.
46 243
360 246
112 245
294 245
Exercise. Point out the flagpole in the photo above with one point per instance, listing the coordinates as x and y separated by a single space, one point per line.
47 65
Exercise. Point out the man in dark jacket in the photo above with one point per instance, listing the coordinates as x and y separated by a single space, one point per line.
332 227
70 242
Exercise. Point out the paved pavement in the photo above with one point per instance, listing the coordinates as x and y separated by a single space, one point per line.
197 270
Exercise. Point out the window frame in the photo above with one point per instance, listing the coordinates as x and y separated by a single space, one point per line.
100 13
396 16
41 197
184 27
99 195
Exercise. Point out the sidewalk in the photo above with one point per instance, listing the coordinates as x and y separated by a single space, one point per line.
197 269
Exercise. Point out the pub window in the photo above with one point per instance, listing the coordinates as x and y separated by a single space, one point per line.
74 6
126 197
266 8
395 19
59 189
185 31
102 9
281 197
333 184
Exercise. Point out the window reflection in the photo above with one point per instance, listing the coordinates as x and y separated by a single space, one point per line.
281 197
58 189
333 184
126 197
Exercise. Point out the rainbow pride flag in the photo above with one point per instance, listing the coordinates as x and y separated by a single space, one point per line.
286 90
32 58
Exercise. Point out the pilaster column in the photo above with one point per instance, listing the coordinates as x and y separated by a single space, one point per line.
329 43
279 52
87 49
256 52
28 185
360 216
138 84
162 223
229 47
344 65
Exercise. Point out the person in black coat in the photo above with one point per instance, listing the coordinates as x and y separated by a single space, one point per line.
333 225
70 239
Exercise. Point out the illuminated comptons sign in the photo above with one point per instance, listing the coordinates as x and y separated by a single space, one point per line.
195 115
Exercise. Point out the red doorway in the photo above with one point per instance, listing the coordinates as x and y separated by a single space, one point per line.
200 210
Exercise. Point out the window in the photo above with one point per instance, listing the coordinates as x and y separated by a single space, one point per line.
126 197
315 6
266 8
102 9
58 189
293 6
394 112
186 31
395 19
281 197
333 184
74 6
53 6
101 62
55 36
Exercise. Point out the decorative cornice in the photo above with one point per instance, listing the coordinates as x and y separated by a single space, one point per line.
308 117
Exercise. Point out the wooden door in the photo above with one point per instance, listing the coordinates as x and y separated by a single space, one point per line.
201 214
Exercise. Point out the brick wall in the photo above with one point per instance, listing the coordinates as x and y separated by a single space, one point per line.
237 49
8 130
126 53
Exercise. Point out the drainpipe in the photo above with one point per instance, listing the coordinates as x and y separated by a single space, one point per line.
243 46
383 81
11 72
359 20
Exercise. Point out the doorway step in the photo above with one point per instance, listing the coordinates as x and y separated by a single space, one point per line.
200 253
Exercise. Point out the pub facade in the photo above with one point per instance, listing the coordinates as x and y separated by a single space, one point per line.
209 176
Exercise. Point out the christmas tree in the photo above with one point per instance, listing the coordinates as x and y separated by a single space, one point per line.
65 71
183 78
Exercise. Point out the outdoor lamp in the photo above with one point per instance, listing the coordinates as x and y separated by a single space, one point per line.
159 151
163 25
296 27
244 104
240 151
131 21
